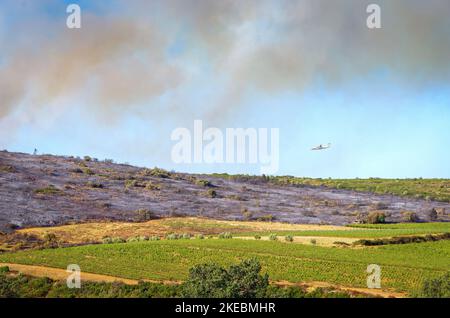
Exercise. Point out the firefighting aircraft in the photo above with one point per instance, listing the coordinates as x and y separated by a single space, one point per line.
321 147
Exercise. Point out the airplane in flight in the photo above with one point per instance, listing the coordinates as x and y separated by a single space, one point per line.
321 147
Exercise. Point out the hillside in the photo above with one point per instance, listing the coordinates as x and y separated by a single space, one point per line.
45 190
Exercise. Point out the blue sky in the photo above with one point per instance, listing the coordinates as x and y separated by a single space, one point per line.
135 71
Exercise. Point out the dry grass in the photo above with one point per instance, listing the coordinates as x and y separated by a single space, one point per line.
95 231
309 240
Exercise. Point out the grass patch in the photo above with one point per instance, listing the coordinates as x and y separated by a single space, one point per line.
49 190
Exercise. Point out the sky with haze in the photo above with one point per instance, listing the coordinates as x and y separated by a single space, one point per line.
136 70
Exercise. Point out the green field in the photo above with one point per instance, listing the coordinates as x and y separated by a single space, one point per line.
404 267
368 230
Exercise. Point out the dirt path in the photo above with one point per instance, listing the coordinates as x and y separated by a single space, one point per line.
367 291
61 274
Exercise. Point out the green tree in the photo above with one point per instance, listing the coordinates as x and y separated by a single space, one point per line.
437 287
246 281
206 281
239 281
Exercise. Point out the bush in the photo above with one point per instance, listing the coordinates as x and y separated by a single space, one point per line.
225 235
87 158
257 237
186 236
94 185
152 187
77 170
117 240
203 183
155 172
239 281
134 183
143 215
313 241
409 216
433 214
154 238
266 218
88 171
200 236
4 269
376 217
404 239
50 240
273 237
107 240
248 216
172 236
437 287
49 190
132 239
211 193
289 238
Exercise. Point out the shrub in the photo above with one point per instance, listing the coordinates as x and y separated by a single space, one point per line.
437 287
49 190
132 239
433 214
409 216
211 193
186 236
239 281
257 237
50 240
118 240
172 236
143 215
289 238
203 183
8 168
273 237
200 236
88 171
107 240
95 185
154 238
4 269
152 187
266 218
131 183
155 172
225 235
313 241
376 217
77 170
87 158
248 216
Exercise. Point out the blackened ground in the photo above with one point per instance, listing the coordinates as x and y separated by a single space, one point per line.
43 190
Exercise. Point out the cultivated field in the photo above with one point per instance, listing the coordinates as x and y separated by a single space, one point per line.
404 266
